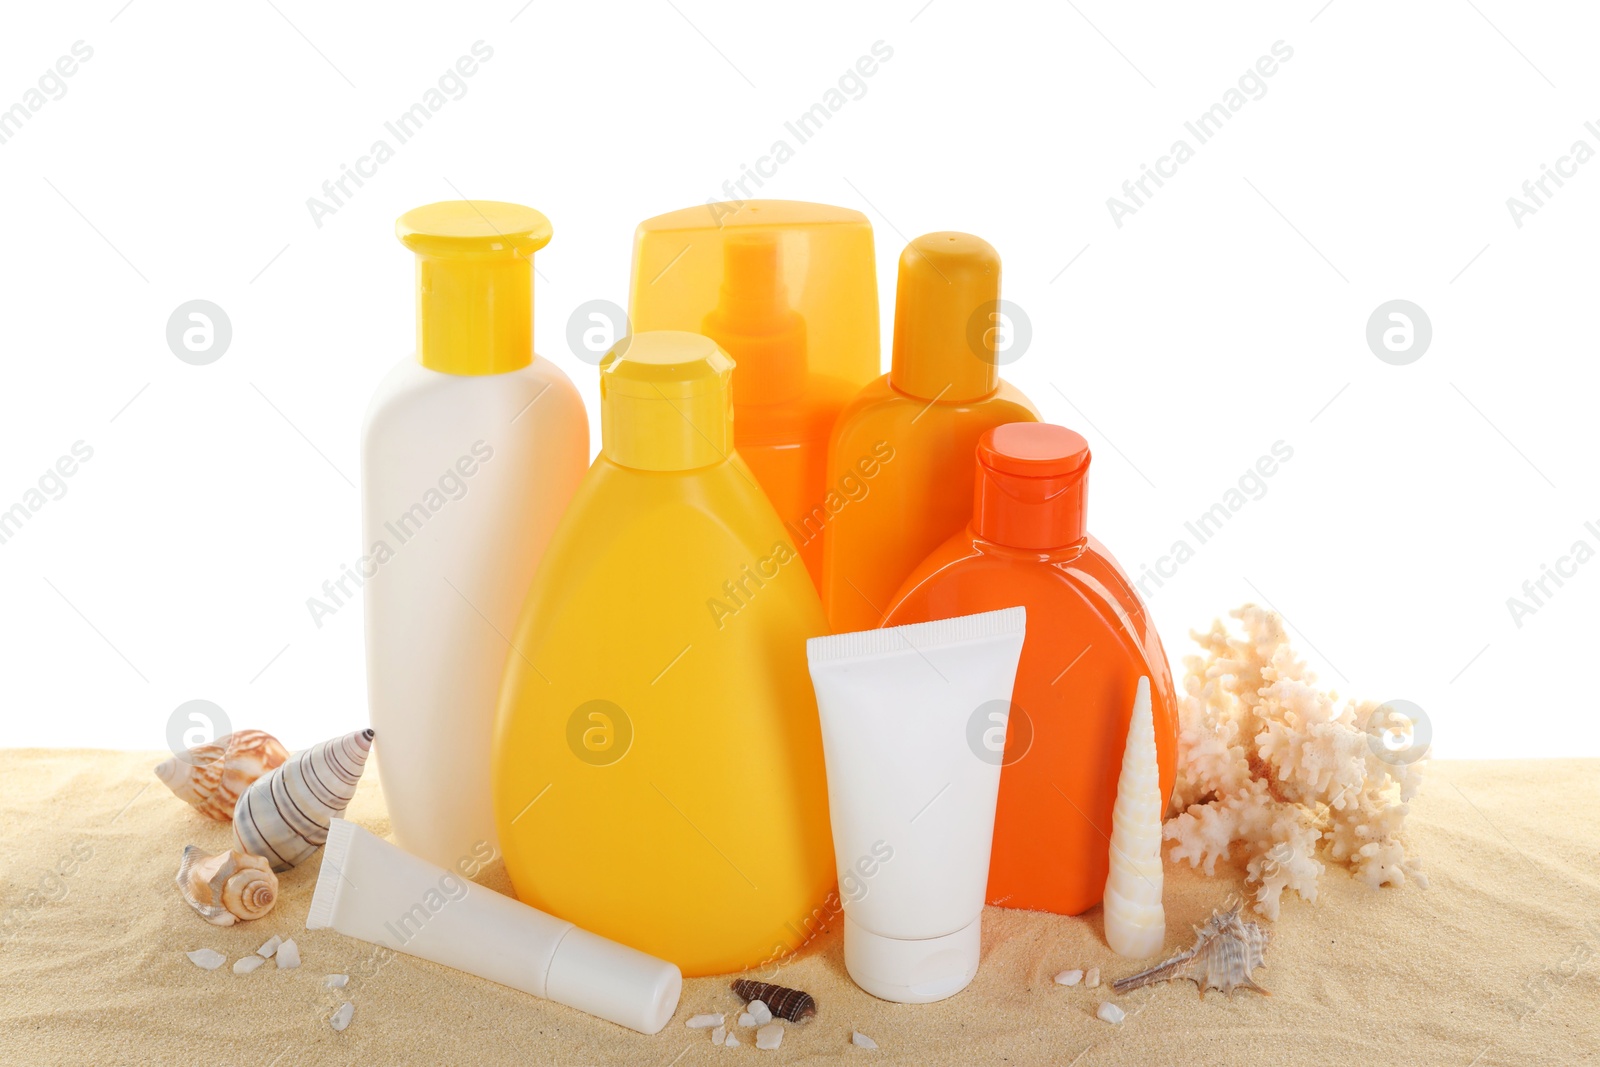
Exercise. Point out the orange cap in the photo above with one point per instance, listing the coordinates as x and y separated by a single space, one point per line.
943 343
1032 488
754 322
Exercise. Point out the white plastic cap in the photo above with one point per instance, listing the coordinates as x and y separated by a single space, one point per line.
912 972
613 982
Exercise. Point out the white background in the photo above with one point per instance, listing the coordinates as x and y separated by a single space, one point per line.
1228 313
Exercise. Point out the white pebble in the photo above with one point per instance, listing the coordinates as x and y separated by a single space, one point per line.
719 1035
746 1019
341 1018
207 959
1092 979
769 1036
288 955
1072 977
247 964
705 1021
335 981
760 1012
1110 1012
860 1040
732 1041
266 951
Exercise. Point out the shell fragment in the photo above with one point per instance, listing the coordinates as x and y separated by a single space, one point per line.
1092 979
341 1018
732 1040
288 955
860 1040
1072 977
705 1021
335 981
207 959
266 951
759 1012
246 964
769 1036
746 1019
1110 1012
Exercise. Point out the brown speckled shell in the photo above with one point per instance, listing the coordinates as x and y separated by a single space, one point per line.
211 777
785 1003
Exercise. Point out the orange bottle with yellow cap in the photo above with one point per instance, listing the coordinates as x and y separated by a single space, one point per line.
904 444
657 769
789 290
1089 641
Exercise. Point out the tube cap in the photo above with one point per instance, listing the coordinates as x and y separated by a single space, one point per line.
474 283
948 283
666 402
1032 487
614 982
912 972
787 288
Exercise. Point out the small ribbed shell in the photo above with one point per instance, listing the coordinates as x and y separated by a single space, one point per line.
212 777
227 887
285 815
1223 957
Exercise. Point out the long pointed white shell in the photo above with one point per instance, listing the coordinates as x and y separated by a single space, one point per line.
1136 922
285 814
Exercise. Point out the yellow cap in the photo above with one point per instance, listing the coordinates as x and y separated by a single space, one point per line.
789 289
947 281
666 402
474 283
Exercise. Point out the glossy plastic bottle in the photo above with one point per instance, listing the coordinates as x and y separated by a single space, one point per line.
658 772
1089 641
470 453
904 444
789 290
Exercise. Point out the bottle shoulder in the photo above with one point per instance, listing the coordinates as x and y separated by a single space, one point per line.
880 407
412 398
970 574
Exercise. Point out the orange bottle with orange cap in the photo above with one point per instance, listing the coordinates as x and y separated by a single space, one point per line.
1089 640
904 444
789 290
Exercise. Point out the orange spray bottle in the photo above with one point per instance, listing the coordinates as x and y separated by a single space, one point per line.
1089 641
903 447
789 290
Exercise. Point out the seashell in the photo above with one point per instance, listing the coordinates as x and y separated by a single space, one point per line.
211 777
860 1040
1072 977
341 1018
705 1021
790 1004
760 1012
769 1036
732 1040
284 815
1091 978
226 887
288 955
271 946
1110 1013
1223 957
207 959
719 1035
1136 922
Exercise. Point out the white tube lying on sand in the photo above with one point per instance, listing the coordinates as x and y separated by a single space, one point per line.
375 891
907 719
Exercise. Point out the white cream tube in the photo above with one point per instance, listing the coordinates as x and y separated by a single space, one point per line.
375 891
909 715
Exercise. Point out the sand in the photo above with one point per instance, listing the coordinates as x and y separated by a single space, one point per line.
1498 963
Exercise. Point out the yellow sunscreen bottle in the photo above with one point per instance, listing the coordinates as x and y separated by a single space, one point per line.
657 771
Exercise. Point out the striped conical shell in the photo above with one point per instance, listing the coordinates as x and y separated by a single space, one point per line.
284 815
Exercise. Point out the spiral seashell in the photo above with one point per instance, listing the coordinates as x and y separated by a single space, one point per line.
227 887
211 777
285 814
